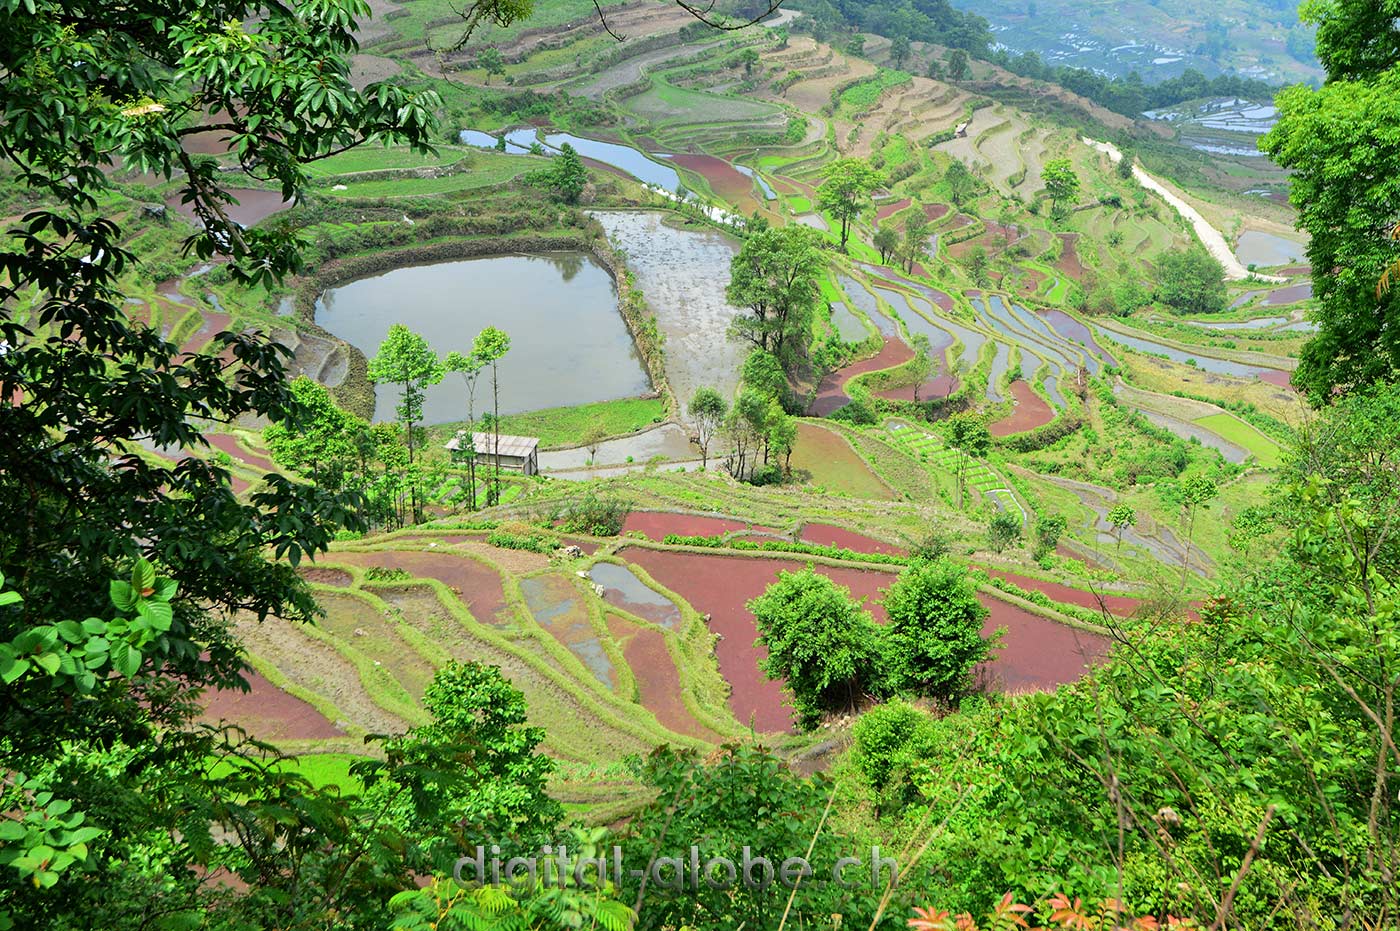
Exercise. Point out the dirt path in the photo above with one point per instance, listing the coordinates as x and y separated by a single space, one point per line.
1210 237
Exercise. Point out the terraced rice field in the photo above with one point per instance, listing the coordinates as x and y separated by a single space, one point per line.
825 459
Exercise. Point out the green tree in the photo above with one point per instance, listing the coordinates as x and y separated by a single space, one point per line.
819 640
967 434
1345 182
845 191
321 441
1125 166
855 45
900 50
1121 517
469 366
1061 182
962 184
494 789
914 248
740 795
921 366
593 436
1003 530
885 241
781 435
1197 492
490 60
1048 529
775 277
763 373
934 637
490 346
707 411
957 64
568 176
1191 281
978 265
405 359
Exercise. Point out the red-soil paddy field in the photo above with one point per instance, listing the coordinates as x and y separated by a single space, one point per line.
827 535
655 525
228 443
831 392
477 585
267 712
658 681
1030 412
727 182
1037 653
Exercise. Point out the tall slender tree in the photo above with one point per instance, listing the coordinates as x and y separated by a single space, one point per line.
468 365
490 346
405 359
707 410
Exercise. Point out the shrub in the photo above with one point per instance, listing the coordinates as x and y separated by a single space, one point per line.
387 574
513 538
591 514
769 474
934 637
858 412
933 545
881 735
1003 530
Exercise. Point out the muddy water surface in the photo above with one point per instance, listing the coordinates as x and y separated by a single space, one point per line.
682 273
569 344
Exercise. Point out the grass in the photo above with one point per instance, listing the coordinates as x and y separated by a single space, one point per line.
668 103
566 426
1242 434
380 158
868 91
488 169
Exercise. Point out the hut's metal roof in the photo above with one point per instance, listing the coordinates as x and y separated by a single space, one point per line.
484 443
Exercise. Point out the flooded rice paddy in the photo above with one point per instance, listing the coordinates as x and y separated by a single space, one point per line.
1268 249
677 270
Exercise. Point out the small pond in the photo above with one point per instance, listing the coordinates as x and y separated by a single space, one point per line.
1266 250
618 156
558 309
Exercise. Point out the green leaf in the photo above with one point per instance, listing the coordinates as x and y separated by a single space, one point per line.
126 659
143 578
11 668
9 598
11 830
123 595
49 662
158 614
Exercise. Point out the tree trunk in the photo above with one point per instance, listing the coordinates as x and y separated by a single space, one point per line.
495 495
